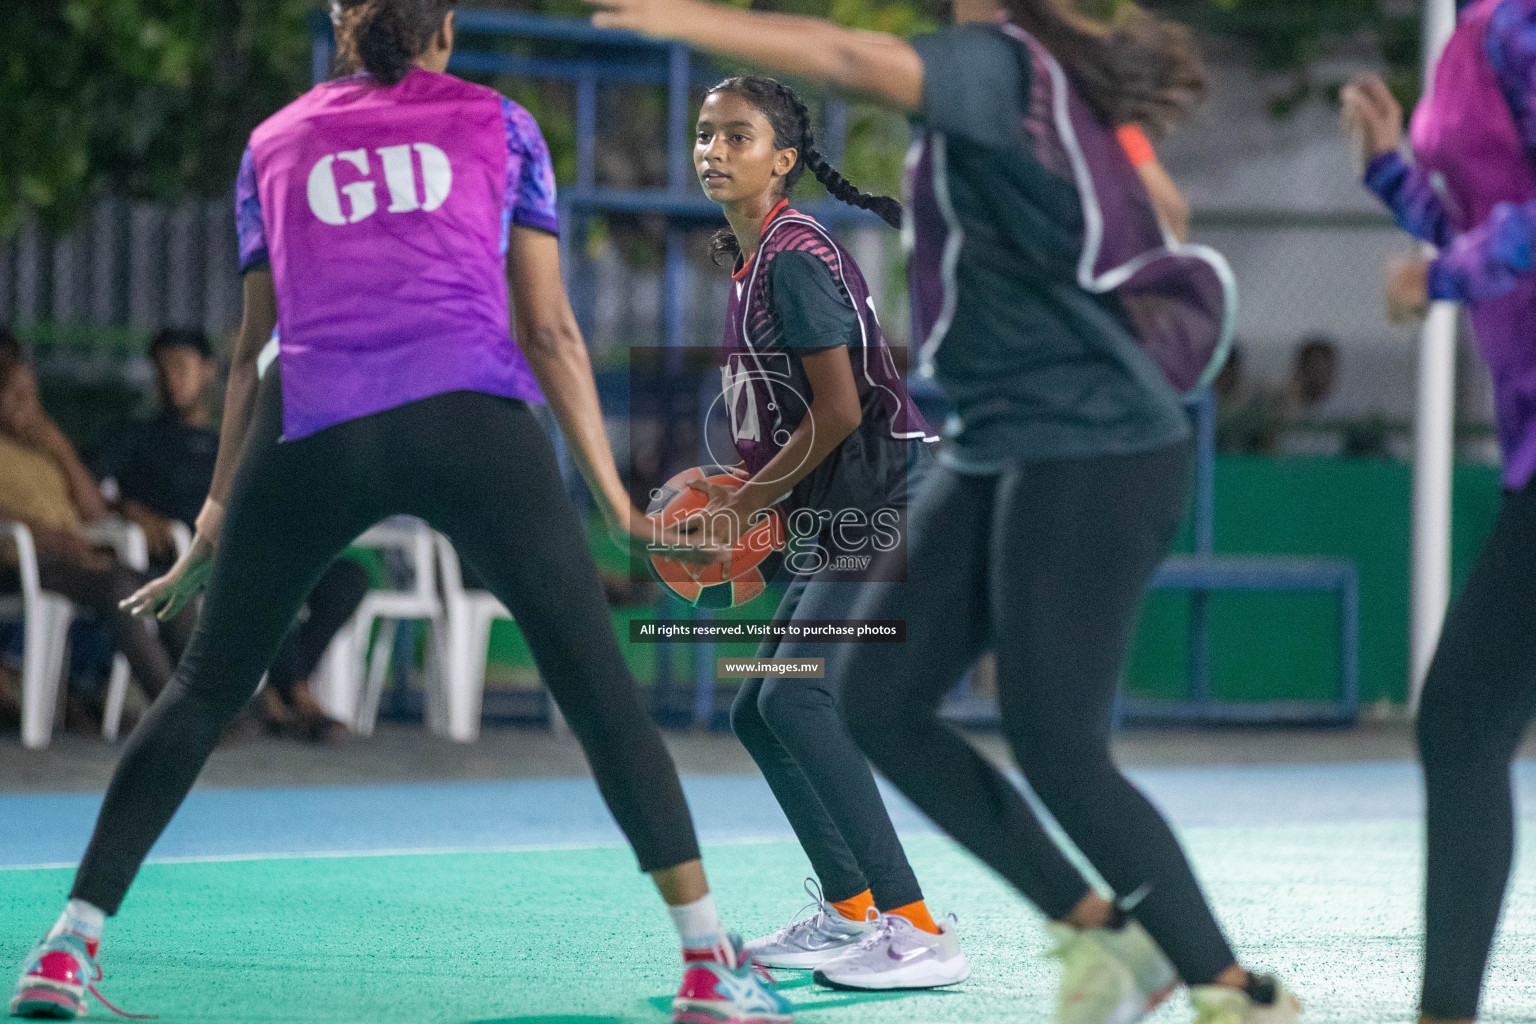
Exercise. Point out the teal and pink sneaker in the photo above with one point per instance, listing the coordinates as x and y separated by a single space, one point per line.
723 986
55 979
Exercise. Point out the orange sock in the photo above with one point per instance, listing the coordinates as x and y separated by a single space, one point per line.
855 908
917 914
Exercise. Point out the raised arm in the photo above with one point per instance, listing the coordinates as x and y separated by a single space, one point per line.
881 68
1373 120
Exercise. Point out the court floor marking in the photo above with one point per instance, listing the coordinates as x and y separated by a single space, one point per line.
439 851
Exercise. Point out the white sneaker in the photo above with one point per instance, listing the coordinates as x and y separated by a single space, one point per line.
898 954
808 942
1108 976
1266 1002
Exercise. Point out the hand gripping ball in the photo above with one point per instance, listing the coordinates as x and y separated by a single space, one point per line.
754 558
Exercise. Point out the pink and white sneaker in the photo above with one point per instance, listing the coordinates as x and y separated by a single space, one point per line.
724 986
55 979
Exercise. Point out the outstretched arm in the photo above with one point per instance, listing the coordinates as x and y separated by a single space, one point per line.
881 68
551 341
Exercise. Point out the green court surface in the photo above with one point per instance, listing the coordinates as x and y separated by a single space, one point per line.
575 936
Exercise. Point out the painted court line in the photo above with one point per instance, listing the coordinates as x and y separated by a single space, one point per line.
438 851
38 831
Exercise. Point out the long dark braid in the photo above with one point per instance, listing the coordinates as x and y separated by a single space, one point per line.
791 121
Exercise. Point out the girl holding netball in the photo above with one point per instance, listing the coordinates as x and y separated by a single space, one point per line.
1054 312
1476 130
827 436
384 219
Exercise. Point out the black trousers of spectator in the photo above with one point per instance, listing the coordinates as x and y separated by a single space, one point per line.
1046 563
1479 698
480 469
328 608
151 652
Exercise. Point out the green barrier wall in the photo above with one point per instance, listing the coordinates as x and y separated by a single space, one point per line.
1285 646
1263 646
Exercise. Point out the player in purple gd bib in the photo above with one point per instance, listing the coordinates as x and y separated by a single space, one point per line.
828 436
384 219
1474 131
1061 319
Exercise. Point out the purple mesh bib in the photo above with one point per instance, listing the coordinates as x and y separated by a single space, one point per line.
1182 299
754 380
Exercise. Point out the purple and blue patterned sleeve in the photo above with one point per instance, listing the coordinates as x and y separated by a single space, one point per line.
248 224
1406 191
1492 258
530 196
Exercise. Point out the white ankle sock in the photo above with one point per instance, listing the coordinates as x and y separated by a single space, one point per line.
83 919
698 923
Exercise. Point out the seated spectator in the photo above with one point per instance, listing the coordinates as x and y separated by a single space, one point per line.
159 471
1247 412
44 485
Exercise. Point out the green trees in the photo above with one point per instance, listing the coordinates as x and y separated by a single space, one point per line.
146 98
155 98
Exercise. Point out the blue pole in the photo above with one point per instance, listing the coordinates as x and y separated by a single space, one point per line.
835 134
1205 474
1205 545
679 162
586 126
322 51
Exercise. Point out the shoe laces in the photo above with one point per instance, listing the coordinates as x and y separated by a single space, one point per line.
885 928
732 955
801 923
103 999
84 954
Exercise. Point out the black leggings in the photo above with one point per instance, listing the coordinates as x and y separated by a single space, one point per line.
1479 698
1046 563
821 780
480 469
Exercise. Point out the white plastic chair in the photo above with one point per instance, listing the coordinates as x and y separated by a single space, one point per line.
465 646
46 618
351 679
466 638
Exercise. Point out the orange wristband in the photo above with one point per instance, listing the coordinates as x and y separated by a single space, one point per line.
1135 144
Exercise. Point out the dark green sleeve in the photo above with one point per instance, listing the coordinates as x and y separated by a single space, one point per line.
812 309
975 84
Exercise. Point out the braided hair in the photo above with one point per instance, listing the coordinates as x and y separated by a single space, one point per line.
791 122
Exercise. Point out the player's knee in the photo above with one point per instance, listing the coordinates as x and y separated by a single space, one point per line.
788 704
746 721
1454 736
1059 771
